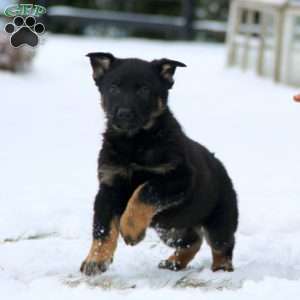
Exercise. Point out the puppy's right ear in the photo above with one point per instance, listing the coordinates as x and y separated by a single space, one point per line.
101 63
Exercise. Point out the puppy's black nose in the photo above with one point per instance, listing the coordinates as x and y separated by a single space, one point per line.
124 114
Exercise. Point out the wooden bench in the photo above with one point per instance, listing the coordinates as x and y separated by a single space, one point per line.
249 19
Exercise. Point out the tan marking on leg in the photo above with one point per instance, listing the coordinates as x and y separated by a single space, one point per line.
101 252
221 262
136 218
181 257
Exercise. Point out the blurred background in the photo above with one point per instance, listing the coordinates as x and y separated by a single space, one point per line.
160 19
262 35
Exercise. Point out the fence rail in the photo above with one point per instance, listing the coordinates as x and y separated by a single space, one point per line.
183 27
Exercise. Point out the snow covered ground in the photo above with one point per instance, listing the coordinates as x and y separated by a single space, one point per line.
50 128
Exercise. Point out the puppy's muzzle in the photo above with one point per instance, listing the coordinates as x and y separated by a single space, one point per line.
125 119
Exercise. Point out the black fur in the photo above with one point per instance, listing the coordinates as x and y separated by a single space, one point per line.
144 143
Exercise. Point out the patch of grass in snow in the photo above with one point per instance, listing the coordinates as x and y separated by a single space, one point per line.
101 281
212 284
189 280
29 237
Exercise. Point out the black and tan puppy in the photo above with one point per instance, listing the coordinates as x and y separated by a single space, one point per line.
152 174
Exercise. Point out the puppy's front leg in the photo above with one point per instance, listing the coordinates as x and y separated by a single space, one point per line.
101 252
150 198
105 231
136 218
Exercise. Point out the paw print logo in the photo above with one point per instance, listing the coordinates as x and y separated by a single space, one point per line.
24 32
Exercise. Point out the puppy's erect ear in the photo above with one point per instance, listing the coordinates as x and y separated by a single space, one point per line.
101 63
166 68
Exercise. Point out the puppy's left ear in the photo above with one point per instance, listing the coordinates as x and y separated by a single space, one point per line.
166 68
101 63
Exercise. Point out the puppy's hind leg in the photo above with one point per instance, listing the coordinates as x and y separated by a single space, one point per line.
221 226
221 240
222 254
186 242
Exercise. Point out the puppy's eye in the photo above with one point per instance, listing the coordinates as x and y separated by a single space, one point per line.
143 91
114 89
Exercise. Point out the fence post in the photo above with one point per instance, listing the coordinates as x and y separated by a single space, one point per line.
188 13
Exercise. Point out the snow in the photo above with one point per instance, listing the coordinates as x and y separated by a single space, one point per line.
50 128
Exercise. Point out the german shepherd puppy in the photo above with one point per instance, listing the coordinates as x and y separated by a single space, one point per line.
152 175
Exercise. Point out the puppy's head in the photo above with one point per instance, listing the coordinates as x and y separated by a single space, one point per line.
134 92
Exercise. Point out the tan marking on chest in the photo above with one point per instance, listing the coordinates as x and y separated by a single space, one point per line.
107 173
159 169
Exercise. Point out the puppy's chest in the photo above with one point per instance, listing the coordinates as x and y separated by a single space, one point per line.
138 155
145 156
141 163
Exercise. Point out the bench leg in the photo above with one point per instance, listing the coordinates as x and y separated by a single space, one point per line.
279 21
235 20
262 43
287 48
249 21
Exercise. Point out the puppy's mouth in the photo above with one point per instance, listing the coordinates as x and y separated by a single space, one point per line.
129 128
132 126
125 127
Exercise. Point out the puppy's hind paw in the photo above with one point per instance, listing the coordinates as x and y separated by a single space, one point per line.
226 267
170 265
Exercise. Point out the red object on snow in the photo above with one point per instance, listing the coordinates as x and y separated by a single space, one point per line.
297 98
